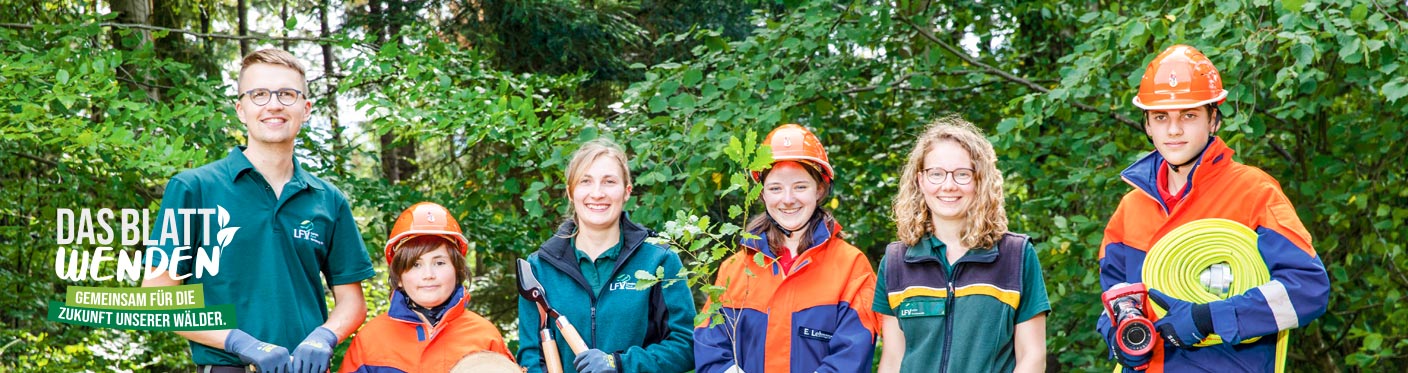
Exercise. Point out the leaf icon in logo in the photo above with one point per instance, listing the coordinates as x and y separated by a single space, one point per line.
225 235
224 217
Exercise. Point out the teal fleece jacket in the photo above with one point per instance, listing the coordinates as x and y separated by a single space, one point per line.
647 330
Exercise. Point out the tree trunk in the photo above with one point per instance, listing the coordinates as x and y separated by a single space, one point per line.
283 14
330 91
173 46
133 11
378 21
393 20
240 10
207 46
397 161
136 12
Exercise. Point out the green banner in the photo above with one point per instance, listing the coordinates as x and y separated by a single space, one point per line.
206 318
157 298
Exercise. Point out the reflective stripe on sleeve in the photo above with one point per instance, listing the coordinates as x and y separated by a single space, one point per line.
1280 303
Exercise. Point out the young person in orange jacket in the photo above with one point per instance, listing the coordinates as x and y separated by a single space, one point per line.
807 307
1191 176
427 328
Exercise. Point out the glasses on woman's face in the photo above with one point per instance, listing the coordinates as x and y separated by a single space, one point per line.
260 96
936 175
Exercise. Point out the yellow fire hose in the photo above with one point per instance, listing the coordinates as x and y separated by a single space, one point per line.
1188 263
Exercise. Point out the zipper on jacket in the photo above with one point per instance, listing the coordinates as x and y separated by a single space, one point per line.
594 323
948 318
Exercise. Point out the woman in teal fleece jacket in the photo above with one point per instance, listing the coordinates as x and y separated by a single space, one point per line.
588 268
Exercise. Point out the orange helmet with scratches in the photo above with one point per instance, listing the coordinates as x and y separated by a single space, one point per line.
792 142
425 218
1180 78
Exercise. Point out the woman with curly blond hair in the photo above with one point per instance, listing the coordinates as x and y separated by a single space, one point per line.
958 292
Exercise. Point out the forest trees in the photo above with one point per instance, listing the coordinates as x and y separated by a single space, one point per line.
489 98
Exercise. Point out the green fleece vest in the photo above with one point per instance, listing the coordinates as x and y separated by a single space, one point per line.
960 319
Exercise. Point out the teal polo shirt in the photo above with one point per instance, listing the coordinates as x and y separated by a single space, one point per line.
597 272
983 326
277 252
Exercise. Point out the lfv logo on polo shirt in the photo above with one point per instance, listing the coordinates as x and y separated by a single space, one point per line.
623 282
305 231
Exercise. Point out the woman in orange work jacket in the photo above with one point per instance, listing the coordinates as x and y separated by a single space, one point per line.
427 328
806 308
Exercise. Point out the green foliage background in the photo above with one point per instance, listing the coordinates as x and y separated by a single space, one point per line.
1316 99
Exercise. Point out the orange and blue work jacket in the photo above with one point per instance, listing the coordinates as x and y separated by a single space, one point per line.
814 317
1219 187
400 341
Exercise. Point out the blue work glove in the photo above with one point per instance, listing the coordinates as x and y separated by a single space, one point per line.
1185 324
595 361
1131 361
267 357
313 354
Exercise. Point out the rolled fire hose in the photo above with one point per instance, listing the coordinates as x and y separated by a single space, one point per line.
1193 263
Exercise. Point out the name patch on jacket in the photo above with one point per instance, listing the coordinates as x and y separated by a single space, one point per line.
920 308
816 334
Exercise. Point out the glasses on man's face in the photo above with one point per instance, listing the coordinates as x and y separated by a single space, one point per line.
937 175
260 96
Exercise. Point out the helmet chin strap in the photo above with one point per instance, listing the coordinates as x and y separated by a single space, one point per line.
1175 167
1195 159
816 216
785 231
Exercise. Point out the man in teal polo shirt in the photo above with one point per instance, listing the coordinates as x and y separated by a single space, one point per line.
280 230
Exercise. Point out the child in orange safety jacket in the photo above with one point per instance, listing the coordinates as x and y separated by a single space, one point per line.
427 328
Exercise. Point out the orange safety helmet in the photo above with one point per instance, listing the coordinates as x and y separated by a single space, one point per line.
791 142
425 218
1179 78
